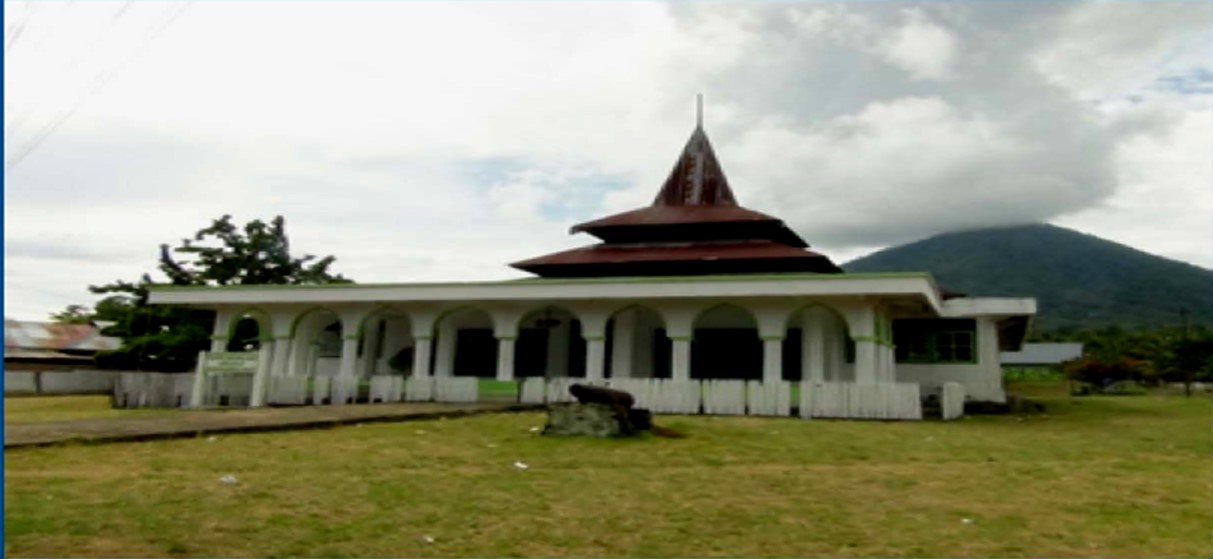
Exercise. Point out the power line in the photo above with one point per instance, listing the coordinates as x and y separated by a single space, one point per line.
98 83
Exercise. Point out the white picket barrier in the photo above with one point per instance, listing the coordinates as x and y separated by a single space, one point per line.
769 398
860 401
419 389
320 390
343 390
288 391
724 397
143 390
533 390
386 388
641 390
456 389
952 404
675 396
232 389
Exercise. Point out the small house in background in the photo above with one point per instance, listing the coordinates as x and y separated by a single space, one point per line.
51 346
1041 355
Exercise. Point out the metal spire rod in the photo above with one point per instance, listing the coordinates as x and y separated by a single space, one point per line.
699 110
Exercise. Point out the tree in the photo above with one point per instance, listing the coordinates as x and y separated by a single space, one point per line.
111 308
73 314
168 338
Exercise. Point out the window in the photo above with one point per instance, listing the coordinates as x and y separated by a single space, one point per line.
935 340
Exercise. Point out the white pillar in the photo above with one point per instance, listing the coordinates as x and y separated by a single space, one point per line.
261 378
219 331
865 359
623 344
444 364
309 366
200 383
421 358
282 356
370 348
349 357
812 355
595 351
505 358
987 353
772 359
680 359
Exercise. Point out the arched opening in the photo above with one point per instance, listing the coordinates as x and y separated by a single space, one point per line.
636 344
465 344
317 350
386 345
818 342
549 344
247 331
726 345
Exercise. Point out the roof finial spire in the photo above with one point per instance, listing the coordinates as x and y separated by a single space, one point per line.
699 111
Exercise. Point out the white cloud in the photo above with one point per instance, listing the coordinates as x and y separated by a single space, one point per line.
425 141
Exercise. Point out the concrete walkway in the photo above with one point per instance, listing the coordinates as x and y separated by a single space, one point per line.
194 423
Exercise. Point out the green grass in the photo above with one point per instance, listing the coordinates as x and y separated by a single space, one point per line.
35 409
1094 477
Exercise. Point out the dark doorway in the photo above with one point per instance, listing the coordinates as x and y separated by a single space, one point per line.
476 353
726 353
792 355
531 352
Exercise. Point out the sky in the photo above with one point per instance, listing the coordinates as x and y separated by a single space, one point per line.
439 141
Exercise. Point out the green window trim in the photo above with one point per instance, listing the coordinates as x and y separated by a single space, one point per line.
937 341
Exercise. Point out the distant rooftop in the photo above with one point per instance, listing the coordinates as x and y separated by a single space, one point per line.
1043 354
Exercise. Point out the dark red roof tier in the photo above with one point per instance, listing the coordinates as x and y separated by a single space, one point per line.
743 257
694 226
668 215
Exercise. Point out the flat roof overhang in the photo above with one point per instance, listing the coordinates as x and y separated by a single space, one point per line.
916 286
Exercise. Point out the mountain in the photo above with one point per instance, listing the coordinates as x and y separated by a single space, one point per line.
1078 280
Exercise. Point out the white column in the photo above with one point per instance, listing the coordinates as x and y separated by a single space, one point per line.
282 356
444 364
987 353
370 348
865 359
200 384
595 352
219 331
505 358
421 358
623 344
349 357
261 378
772 359
812 355
309 366
680 359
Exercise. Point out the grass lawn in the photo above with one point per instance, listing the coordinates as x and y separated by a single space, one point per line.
1122 476
33 409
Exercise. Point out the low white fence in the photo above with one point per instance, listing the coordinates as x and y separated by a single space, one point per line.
152 390
84 381
952 404
716 397
288 391
861 401
724 397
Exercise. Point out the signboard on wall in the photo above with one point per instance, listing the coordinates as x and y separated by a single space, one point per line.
231 362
